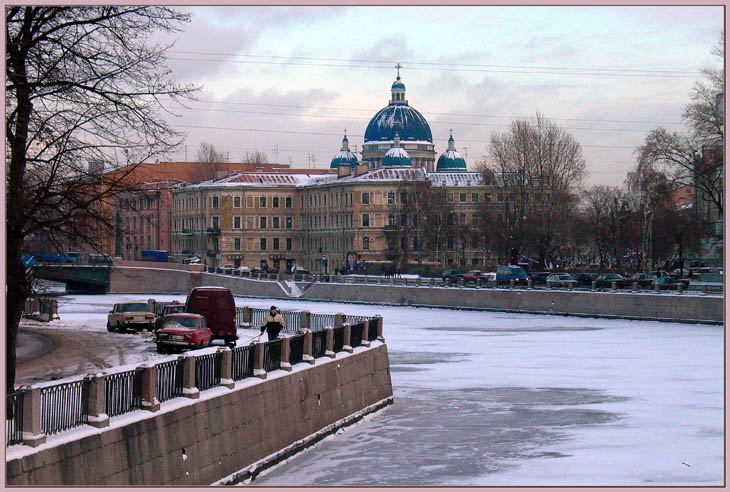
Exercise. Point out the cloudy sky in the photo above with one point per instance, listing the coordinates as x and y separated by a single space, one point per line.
289 80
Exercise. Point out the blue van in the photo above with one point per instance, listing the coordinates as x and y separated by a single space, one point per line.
507 273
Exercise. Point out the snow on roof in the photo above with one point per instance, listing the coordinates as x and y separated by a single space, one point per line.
258 179
456 179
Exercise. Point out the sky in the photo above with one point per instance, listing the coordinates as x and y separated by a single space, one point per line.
289 80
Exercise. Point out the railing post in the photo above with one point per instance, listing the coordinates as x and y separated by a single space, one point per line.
258 361
54 309
330 342
305 318
461 282
347 345
278 277
419 282
307 349
379 321
680 288
285 353
33 434
189 389
365 331
226 367
613 286
705 290
593 285
97 401
657 287
247 314
634 286
529 283
511 283
572 284
36 306
149 388
339 320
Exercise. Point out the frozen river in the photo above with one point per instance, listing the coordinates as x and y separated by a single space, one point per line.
505 399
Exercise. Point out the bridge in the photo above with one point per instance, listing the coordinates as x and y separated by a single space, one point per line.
85 278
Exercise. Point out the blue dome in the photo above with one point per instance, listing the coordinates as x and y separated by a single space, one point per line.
397 157
343 157
398 85
451 161
400 118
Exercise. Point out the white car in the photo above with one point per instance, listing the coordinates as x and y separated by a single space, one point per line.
131 316
244 269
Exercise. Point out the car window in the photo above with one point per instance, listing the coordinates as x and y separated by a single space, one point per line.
129 308
180 324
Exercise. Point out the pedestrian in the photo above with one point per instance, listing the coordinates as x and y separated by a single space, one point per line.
273 323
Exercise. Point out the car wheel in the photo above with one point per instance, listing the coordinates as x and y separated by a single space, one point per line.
161 348
110 328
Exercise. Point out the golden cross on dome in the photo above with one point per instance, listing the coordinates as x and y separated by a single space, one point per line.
398 66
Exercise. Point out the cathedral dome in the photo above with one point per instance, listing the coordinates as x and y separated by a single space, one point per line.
344 156
451 161
397 156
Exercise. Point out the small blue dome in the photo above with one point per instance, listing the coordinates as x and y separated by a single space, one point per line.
397 157
344 156
451 161
398 85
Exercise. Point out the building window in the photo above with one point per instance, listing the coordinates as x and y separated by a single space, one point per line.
462 197
262 222
475 197
366 220
237 244
289 222
216 222
450 197
263 244
275 222
262 202
415 243
500 197
236 221
391 198
366 243
236 202
488 198
391 219
215 202
450 219
475 241
404 197
287 202
365 198
288 244
450 243
475 261
474 220
276 244
462 219
275 202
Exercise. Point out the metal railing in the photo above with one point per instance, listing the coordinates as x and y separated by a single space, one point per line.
296 349
123 392
372 333
356 334
208 371
257 316
64 406
272 355
239 316
292 319
169 379
339 339
319 322
242 362
14 418
356 319
319 344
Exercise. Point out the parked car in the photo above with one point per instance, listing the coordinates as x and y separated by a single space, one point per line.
489 277
560 280
539 278
192 260
225 267
642 279
452 275
300 271
507 273
183 330
244 269
473 276
100 259
172 308
667 282
218 307
607 279
130 316
585 278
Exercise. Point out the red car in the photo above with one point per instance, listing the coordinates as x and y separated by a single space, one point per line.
474 276
181 331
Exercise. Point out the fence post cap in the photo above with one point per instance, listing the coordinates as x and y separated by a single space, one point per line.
224 349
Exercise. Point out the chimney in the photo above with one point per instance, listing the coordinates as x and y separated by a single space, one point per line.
361 169
344 170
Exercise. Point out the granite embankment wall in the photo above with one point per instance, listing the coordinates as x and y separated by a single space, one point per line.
648 305
198 442
136 277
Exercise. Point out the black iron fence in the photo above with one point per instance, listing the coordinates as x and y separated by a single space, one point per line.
123 392
372 332
208 371
356 334
242 362
339 342
272 355
356 319
296 349
319 322
319 344
169 379
14 418
64 406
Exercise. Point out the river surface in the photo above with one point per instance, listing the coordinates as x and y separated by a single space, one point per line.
506 399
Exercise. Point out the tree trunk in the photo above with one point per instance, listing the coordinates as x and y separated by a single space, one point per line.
17 292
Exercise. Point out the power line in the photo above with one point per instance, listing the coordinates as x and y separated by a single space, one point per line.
431 68
372 111
389 62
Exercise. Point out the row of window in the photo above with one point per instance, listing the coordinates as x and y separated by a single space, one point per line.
335 200
192 203
139 203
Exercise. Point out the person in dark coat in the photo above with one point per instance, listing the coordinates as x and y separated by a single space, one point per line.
273 323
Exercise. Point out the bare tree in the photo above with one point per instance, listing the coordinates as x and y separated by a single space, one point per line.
256 157
84 85
211 157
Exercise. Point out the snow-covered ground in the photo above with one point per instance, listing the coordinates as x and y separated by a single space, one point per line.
504 399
